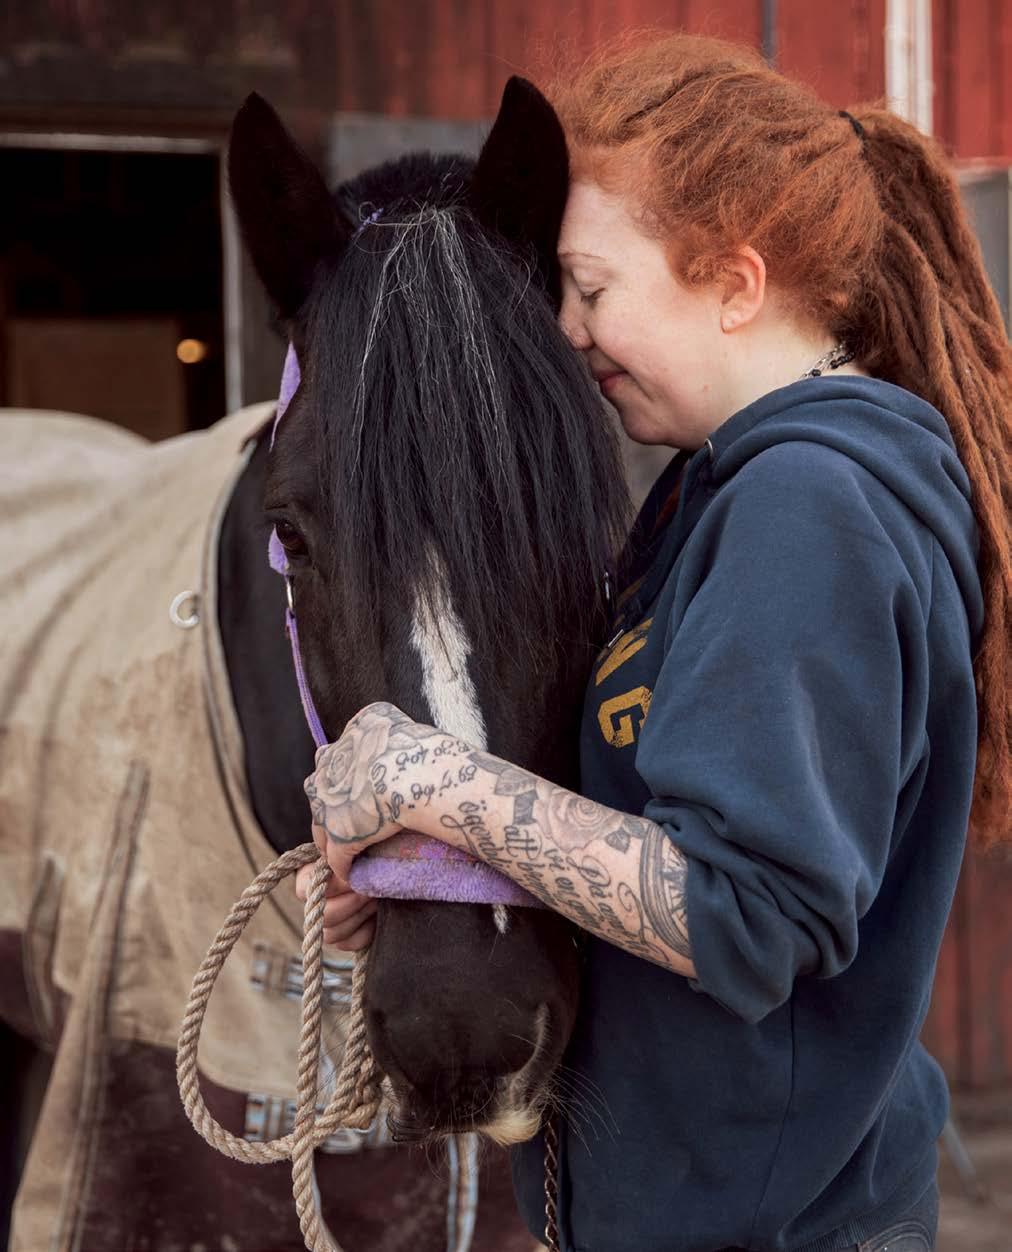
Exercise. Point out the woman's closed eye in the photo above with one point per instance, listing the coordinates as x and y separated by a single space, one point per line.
590 297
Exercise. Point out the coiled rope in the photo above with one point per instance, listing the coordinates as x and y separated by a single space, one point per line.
358 1086
357 1091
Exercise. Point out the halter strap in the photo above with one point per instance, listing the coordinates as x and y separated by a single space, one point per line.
278 560
411 866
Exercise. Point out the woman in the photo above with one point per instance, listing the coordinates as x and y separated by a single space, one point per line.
806 688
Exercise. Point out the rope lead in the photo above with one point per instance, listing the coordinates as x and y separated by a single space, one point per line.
357 1092
358 1087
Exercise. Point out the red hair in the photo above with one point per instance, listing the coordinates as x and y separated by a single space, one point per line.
867 236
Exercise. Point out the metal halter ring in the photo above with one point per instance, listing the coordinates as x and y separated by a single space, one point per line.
192 618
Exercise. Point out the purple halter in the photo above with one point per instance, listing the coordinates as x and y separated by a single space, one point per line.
409 866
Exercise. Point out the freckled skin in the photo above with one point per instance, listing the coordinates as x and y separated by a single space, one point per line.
687 357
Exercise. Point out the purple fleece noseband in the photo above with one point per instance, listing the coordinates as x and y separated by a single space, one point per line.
411 866
408 866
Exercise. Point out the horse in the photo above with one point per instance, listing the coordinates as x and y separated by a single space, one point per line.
449 494
435 377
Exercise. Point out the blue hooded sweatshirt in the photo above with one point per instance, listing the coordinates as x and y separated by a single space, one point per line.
789 693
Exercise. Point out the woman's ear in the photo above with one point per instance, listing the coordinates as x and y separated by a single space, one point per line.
286 214
743 288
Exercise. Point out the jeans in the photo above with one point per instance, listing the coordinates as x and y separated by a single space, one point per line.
913 1232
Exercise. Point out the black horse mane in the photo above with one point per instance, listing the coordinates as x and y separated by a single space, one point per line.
453 420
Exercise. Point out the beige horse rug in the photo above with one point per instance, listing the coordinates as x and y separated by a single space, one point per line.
126 833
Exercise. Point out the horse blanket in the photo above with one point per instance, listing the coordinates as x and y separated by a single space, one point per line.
126 833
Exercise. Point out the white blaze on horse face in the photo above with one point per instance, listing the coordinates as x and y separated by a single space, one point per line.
438 636
441 642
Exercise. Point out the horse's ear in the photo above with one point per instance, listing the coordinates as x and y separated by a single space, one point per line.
522 176
287 216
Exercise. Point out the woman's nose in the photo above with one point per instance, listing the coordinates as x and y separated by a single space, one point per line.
574 329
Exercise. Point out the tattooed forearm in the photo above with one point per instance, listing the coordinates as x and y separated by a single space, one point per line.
662 887
617 875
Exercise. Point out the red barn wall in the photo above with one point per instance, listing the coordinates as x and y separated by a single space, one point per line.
969 1029
838 49
972 54
450 58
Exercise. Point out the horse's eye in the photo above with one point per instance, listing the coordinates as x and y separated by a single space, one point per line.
290 538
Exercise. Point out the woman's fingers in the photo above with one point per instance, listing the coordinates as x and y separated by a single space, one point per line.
319 837
349 919
343 910
362 938
354 932
339 855
341 901
304 879
340 858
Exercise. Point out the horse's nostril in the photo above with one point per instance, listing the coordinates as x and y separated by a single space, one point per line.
445 1107
469 1093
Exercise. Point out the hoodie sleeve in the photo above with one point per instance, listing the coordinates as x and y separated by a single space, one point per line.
774 747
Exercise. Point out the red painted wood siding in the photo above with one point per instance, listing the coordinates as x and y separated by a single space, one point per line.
969 1029
450 58
839 49
972 54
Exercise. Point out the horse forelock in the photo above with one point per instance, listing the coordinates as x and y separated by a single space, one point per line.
464 457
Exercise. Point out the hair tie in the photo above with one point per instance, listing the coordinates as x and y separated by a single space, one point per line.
858 128
374 216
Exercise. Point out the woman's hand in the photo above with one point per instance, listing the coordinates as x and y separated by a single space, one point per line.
384 772
349 919
351 802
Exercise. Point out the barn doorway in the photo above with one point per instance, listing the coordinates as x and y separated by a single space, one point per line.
111 283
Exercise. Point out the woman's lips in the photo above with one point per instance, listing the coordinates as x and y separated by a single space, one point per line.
607 381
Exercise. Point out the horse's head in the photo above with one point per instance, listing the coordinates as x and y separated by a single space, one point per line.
448 490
